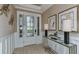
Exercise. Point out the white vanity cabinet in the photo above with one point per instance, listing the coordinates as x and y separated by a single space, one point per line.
59 47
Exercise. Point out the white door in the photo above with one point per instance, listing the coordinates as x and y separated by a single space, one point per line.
30 24
32 29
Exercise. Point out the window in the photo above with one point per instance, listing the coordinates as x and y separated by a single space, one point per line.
30 25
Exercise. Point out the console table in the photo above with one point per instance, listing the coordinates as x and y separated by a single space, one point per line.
59 47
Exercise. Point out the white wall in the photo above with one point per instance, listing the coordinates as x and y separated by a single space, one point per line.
5 27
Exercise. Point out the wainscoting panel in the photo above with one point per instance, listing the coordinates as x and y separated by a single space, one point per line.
7 44
0 47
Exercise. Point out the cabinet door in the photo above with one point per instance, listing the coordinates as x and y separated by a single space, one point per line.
58 48
66 50
62 49
52 45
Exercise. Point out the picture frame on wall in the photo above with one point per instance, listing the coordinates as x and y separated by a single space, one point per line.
69 14
52 22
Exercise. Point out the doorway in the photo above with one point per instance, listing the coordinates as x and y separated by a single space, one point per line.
28 29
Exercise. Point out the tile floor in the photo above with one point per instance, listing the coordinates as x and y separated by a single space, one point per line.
31 49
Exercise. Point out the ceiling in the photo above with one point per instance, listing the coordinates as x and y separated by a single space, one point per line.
34 7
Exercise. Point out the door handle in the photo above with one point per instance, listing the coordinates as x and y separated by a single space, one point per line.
35 31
